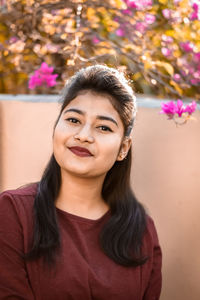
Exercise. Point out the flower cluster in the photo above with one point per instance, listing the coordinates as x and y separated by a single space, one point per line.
195 13
172 109
189 61
140 26
43 76
138 4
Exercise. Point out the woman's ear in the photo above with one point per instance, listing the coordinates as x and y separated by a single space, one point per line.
125 146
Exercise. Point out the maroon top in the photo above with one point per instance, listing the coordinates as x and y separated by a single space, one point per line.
82 271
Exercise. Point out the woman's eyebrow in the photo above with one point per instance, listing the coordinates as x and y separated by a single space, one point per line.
107 119
74 110
98 117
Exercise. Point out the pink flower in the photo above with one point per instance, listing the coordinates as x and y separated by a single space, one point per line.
42 76
190 108
196 74
197 57
177 77
168 108
139 4
127 12
167 38
131 3
141 26
187 46
120 32
95 40
150 19
34 81
166 52
195 81
167 13
45 68
195 7
180 108
13 39
194 15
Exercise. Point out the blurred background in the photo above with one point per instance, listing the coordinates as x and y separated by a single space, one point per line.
155 42
157 45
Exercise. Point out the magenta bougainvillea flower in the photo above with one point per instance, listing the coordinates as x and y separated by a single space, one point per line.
127 12
180 109
139 4
190 108
177 77
168 108
120 32
171 108
95 40
187 46
150 19
195 14
43 76
167 13
167 39
166 51
141 26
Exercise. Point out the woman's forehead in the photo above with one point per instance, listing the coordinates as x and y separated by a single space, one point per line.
93 102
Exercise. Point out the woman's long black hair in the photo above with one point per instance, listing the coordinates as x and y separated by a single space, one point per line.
121 237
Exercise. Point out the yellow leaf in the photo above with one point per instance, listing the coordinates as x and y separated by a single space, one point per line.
29 57
166 66
136 76
21 77
170 33
103 11
198 46
90 13
176 86
2 38
156 41
119 4
183 4
177 53
148 64
163 1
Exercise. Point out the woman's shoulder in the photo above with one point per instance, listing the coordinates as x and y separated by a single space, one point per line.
150 234
18 202
16 219
25 190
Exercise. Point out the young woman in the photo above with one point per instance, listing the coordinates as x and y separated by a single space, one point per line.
80 233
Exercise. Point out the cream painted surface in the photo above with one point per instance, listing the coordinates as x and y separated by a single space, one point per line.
26 131
165 178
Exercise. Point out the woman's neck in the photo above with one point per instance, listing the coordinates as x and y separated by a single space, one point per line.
81 196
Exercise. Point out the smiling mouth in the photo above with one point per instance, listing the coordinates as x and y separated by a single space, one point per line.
80 151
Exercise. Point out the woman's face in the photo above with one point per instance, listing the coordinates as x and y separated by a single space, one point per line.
89 136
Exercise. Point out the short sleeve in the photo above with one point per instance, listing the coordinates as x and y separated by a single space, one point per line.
155 282
14 282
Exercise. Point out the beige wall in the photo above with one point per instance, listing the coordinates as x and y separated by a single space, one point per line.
165 177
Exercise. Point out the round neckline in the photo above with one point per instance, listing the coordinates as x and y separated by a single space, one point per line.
82 219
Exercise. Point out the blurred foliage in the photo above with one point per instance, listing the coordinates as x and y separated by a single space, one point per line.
155 42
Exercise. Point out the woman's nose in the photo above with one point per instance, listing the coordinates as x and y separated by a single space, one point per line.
84 134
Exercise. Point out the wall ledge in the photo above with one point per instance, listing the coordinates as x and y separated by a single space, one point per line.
142 100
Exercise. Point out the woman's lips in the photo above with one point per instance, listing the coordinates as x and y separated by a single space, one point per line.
80 151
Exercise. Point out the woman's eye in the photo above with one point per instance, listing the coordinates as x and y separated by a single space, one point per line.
105 128
72 120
